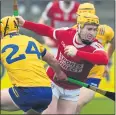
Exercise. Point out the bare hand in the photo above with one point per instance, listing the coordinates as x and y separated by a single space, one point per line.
60 76
20 20
70 50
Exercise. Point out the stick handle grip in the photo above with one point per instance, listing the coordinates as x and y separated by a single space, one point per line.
16 13
15 8
77 82
87 86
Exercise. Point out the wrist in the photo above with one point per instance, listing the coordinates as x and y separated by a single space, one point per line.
76 57
77 53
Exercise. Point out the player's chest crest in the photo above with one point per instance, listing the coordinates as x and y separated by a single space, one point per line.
70 65
57 15
63 44
66 16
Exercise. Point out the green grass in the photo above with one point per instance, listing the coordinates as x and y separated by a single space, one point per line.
96 106
99 106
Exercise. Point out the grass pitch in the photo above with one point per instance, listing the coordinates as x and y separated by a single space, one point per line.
96 106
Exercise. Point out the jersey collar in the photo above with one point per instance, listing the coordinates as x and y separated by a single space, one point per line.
62 7
76 44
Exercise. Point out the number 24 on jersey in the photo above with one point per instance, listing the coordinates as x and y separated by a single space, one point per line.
15 48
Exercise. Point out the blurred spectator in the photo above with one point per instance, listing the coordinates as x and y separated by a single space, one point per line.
60 14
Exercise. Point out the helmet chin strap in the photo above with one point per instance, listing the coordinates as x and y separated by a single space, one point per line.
83 41
86 42
6 27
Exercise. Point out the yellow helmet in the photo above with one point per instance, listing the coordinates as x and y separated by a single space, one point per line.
87 18
86 7
8 24
106 32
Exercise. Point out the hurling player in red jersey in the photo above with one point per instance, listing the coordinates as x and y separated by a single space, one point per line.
78 52
60 14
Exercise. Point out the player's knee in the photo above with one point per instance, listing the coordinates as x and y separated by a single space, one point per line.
81 103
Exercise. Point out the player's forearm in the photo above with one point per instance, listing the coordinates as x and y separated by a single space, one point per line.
100 57
52 61
55 65
40 29
110 50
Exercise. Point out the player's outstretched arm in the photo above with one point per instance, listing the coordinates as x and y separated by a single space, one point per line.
98 57
40 29
51 60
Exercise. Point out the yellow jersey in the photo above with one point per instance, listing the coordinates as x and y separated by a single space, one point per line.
105 34
22 57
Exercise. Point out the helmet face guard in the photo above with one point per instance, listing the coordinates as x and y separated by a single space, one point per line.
86 19
8 24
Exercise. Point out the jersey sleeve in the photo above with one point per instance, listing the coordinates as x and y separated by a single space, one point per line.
97 56
40 29
97 46
47 12
45 30
60 33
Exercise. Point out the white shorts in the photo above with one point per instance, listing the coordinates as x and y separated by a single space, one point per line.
65 94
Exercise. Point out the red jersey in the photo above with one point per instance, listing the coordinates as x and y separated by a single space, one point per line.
79 67
59 15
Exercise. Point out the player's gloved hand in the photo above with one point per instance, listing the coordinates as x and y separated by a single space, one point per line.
70 50
20 20
60 76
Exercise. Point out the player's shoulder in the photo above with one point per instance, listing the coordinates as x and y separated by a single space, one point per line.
66 30
49 6
97 45
53 4
5 40
25 38
72 30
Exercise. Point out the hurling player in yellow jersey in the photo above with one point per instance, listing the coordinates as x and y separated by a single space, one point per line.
22 57
105 36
